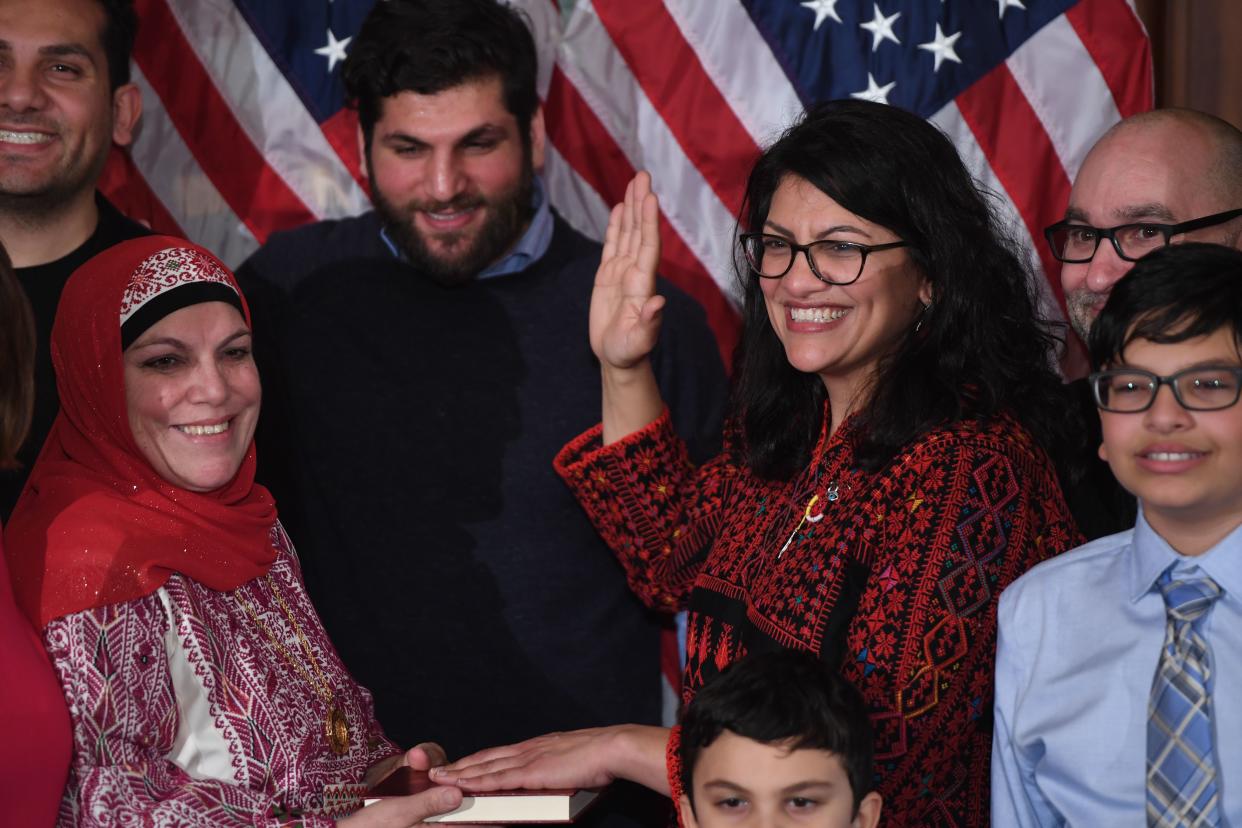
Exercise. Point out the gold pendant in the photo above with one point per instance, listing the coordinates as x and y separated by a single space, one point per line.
336 728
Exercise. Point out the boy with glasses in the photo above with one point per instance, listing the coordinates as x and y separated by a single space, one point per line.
1119 664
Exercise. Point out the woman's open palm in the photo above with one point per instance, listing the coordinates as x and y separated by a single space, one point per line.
625 310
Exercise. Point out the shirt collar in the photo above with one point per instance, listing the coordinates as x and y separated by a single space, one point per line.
1151 555
530 246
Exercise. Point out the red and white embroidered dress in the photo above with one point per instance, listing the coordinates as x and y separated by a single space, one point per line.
186 714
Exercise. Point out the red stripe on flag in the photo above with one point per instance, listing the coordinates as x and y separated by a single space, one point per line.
668 70
223 150
583 141
341 130
125 187
1111 33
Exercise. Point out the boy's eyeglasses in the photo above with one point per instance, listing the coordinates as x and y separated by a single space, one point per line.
1131 390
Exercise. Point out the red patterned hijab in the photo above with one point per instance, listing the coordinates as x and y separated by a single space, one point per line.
96 524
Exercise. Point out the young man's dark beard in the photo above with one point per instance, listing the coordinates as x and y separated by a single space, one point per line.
510 213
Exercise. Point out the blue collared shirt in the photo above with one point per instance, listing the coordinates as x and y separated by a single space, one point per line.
1079 639
529 248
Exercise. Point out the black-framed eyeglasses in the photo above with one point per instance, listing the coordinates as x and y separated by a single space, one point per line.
1131 390
834 262
1076 243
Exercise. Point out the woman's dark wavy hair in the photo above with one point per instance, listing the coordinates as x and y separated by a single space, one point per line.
17 350
428 46
980 349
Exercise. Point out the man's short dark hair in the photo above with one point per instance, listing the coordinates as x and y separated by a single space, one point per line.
1172 294
789 698
428 46
120 29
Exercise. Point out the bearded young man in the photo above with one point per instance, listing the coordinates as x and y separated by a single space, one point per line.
422 364
65 98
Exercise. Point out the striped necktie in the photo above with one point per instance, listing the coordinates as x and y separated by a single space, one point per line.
1181 764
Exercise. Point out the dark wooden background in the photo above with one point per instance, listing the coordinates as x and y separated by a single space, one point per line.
1197 51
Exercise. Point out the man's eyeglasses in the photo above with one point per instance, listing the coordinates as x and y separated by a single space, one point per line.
834 262
1131 390
1077 243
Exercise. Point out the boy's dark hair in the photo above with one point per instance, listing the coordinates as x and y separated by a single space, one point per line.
1172 294
120 29
428 46
789 698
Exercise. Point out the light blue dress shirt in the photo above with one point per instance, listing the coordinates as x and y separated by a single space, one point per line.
533 243
1079 639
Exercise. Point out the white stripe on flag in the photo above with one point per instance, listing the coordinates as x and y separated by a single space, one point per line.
1057 75
592 63
760 94
267 108
174 176
575 199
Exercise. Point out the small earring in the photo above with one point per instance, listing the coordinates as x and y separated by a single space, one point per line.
922 316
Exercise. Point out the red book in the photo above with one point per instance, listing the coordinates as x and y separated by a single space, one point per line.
500 807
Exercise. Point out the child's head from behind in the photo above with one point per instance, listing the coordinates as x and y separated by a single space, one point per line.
1167 348
777 739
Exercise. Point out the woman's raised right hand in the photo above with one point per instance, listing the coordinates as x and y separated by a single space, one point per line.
625 310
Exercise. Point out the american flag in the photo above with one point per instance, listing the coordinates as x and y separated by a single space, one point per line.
244 129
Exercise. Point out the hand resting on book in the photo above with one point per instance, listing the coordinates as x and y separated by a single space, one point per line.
406 811
574 759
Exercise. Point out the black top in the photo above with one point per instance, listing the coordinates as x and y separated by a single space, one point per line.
1098 502
408 432
43 284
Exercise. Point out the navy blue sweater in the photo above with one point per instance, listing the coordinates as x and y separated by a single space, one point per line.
408 432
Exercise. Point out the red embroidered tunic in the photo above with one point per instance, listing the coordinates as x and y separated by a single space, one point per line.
894 574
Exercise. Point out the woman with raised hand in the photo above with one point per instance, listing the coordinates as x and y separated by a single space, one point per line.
886 471
202 687
33 717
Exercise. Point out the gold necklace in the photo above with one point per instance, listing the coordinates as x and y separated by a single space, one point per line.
335 725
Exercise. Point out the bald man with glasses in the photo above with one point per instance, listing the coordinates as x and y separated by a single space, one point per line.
1154 179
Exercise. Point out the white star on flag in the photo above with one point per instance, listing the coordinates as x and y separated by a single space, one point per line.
1005 4
942 48
334 51
881 28
874 92
823 9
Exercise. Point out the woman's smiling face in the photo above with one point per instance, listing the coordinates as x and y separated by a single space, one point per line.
839 332
192 395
